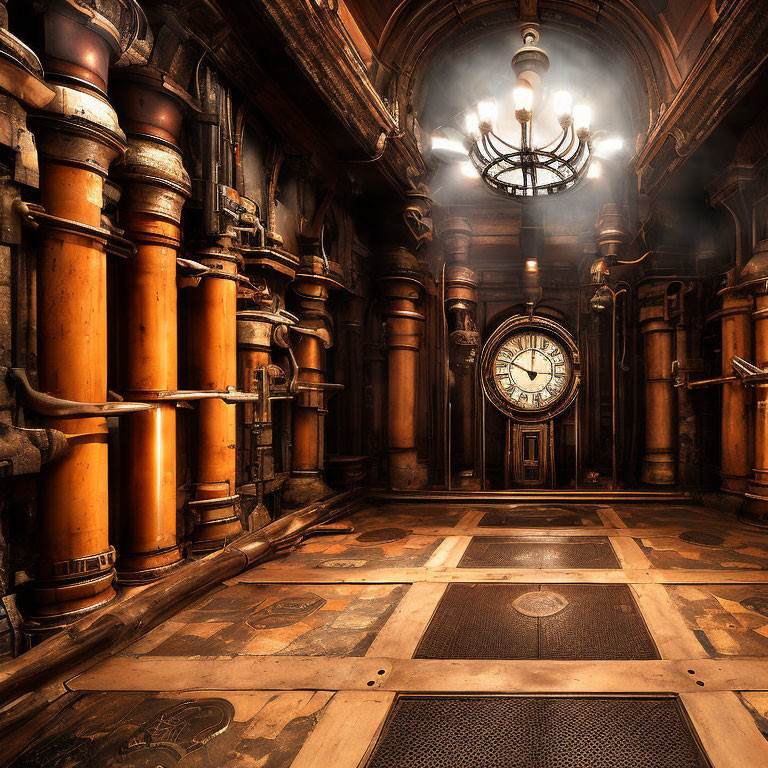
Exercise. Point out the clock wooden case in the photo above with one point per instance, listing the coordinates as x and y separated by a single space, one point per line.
530 368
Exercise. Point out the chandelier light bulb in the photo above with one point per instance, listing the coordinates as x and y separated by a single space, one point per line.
487 111
582 116
472 124
595 170
563 104
523 97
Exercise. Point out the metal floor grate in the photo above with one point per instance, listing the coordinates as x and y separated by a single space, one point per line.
535 516
530 621
539 552
536 732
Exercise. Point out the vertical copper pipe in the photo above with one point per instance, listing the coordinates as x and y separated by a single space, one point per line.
735 437
155 185
756 499
213 355
306 417
660 427
459 305
755 274
306 483
78 137
402 287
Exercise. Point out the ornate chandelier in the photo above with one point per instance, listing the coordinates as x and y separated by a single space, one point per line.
524 170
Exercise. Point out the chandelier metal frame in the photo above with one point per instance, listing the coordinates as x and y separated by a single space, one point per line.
567 158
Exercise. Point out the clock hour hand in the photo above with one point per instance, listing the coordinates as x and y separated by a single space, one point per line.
531 374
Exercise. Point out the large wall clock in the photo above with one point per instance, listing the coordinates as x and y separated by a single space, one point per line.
530 368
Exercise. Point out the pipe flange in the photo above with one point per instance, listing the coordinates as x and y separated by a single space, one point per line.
85 115
153 161
78 566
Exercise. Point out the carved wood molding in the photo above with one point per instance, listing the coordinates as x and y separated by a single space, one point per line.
723 73
335 69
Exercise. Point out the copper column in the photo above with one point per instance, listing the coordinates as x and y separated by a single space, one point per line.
78 137
735 437
306 483
401 285
213 342
155 185
756 499
660 419
460 308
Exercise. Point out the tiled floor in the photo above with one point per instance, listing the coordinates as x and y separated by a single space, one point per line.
298 662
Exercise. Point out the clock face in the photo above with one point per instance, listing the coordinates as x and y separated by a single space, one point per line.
532 370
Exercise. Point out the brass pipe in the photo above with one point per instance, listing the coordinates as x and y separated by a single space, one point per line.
155 186
659 460
213 336
308 413
614 412
47 405
756 497
446 387
78 137
753 275
736 432
402 289
705 383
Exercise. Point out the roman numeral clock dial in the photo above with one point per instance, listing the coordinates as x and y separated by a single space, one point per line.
530 368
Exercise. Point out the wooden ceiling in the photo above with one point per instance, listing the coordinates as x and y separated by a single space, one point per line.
676 21
661 39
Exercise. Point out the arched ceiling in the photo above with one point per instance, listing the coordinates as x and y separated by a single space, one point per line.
657 40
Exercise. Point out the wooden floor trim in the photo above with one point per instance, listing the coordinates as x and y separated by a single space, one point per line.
512 576
400 636
726 730
280 673
346 730
581 530
669 631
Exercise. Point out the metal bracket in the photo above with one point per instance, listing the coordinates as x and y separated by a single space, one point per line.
682 377
47 405
33 214
748 374
230 395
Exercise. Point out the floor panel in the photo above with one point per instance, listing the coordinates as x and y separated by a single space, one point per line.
535 516
536 732
563 552
727 619
410 551
529 621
